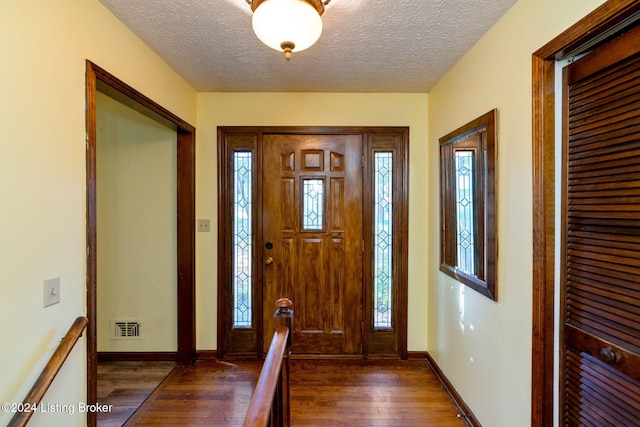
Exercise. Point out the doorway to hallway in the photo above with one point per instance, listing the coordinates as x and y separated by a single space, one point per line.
100 80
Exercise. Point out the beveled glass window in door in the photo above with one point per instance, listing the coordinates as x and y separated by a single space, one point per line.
312 204
383 238
242 236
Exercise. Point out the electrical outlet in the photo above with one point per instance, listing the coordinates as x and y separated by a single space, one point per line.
51 291
204 225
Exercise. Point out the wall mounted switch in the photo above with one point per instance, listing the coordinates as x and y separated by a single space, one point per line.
204 225
51 291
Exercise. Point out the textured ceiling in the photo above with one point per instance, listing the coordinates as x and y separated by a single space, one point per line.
366 45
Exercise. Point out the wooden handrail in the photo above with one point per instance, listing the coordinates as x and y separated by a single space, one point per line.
260 408
270 402
40 387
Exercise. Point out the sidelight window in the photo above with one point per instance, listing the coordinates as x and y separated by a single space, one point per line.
383 239
242 235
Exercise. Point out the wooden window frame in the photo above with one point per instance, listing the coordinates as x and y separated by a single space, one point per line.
484 203
377 341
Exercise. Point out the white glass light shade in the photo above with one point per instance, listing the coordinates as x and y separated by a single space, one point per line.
279 21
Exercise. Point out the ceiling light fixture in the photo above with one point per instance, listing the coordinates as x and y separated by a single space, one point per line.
288 25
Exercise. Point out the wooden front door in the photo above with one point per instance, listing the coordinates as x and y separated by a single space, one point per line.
601 237
312 239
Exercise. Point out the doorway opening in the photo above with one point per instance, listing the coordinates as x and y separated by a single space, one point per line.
136 213
99 80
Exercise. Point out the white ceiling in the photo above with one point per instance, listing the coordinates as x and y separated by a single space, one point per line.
366 45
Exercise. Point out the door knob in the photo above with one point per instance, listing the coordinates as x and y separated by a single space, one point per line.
609 356
269 260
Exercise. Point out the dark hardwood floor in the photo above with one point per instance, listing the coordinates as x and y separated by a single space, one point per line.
369 393
126 385
323 393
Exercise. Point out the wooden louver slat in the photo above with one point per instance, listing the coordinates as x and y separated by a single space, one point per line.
591 381
601 273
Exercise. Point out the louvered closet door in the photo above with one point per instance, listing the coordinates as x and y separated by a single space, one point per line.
601 237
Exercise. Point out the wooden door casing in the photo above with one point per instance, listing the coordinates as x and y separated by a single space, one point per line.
249 341
98 79
601 237
320 269
611 14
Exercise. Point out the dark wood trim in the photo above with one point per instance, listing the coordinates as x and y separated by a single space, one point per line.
144 356
241 342
367 254
91 213
115 88
417 355
479 135
186 245
206 355
401 266
311 130
466 414
600 20
543 110
543 244
395 140
403 258
223 264
99 79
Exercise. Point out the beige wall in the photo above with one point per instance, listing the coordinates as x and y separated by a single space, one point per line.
309 109
486 353
484 347
137 264
44 45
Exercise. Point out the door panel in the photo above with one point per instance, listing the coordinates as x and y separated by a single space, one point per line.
312 223
601 237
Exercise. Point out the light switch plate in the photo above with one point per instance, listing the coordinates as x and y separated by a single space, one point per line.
51 291
204 225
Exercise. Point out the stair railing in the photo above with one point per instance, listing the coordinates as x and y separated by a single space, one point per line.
40 387
270 402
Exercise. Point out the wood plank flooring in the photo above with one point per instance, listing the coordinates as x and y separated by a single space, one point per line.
126 385
323 393
361 393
